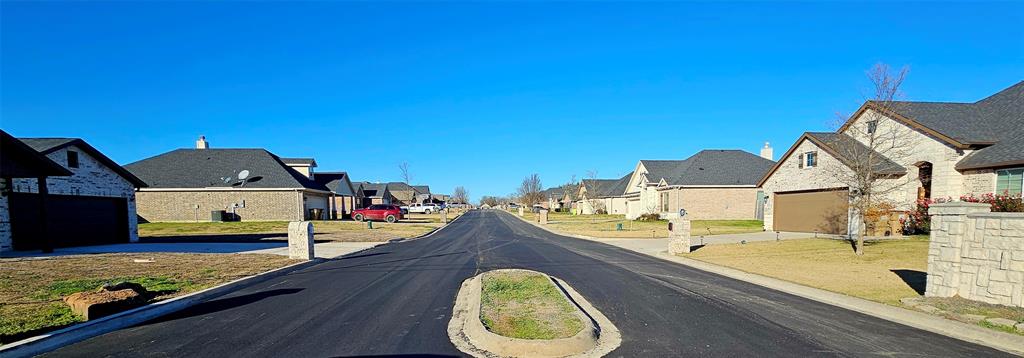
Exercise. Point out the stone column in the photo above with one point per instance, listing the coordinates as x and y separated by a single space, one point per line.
520 211
543 216
444 216
300 240
949 225
679 234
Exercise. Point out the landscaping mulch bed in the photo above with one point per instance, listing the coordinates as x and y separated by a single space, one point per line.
32 289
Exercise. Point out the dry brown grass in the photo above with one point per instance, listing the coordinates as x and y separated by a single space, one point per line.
832 265
604 226
331 230
526 305
31 290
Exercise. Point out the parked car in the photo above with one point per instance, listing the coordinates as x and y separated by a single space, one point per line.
389 213
424 208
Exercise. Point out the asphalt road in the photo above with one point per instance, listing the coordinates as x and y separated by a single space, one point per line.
397 299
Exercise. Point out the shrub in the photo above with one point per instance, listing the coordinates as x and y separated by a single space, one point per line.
601 212
1001 203
918 221
649 217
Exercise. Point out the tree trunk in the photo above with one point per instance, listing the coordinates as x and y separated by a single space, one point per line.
860 238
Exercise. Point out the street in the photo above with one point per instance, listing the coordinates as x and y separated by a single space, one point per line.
396 299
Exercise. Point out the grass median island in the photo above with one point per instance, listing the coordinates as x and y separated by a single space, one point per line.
605 226
526 305
888 270
31 290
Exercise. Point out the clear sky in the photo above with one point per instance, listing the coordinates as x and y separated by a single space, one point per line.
479 94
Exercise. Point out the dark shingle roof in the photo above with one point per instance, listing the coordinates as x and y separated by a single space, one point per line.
374 189
845 148
19 160
48 145
421 189
337 182
997 120
709 167
204 168
605 188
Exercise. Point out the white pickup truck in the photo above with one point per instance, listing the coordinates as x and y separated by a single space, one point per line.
422 208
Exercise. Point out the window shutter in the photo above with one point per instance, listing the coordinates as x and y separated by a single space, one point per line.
801 166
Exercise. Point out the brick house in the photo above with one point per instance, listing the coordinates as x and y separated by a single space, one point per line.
955 149
94 204
603 195
713 184
343 197
250 184
367 193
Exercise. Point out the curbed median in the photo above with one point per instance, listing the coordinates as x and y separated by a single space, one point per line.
522 313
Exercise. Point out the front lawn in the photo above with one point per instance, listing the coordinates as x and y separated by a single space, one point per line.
888 271
606 226
330 230
31 290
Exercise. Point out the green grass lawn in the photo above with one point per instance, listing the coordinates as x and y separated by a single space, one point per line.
526 305
605 226
32 290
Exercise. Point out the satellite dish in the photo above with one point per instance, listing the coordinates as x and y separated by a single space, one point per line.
243 174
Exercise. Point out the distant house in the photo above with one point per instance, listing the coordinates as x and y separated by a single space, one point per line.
404 194
373 193
343 195
559 198
956 149
712 184
88 200
248 184
423 194
603 196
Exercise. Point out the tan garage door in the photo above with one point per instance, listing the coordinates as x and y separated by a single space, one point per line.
813 211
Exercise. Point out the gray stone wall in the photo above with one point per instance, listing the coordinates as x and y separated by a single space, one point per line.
91 178
976 254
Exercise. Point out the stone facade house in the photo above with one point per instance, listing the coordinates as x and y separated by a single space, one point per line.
94 203
713 184
560 198
951 150
247 184
343 198
603 196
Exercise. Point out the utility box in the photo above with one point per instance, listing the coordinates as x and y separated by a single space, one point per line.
217 215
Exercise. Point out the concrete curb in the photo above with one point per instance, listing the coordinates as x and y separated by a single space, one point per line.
598 336
1006 342
50 341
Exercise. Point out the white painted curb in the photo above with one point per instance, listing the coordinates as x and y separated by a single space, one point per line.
52 340
1007 342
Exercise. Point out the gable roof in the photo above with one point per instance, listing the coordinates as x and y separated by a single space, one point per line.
421 189
995 124
212 168
605 188
337 182
709 167
49 145
299 161
19 160
841 147
374 190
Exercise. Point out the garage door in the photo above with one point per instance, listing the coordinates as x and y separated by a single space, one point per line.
813 211
73 220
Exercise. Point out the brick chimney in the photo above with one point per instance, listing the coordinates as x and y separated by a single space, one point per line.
766 152
203 144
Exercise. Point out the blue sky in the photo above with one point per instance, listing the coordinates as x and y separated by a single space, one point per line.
479 94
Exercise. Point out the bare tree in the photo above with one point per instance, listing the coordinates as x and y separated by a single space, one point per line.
530 190
594 189
460 196
871 152
406 177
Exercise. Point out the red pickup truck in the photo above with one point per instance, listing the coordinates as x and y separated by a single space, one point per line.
389 213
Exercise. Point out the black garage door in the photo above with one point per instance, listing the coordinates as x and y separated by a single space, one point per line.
72 220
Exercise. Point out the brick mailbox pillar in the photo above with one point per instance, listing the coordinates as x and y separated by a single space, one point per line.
520 211
300 240
679 234
543 216
444 216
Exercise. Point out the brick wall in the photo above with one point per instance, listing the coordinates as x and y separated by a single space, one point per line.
155 206
976 254
91 178
716 203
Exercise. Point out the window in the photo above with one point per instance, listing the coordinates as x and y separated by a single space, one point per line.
809 160
872 126
72 159
1009 181
664 202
